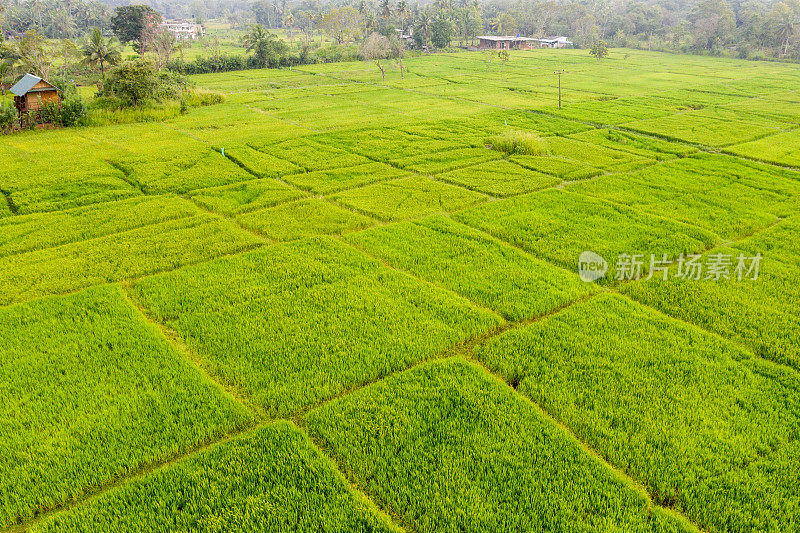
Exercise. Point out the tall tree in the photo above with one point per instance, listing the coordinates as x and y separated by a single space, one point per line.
130 22
101 52
342 24
36 54
265 45
376 48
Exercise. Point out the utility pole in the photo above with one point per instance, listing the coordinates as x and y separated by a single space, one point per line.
559 72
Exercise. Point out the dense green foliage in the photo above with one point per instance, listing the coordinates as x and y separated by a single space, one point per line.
119 398
272 479
448 448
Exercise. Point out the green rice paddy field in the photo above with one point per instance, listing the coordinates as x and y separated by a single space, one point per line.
328 304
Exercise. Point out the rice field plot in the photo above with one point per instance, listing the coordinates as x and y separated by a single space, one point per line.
782 148
72 175
157 159
716 127
447 447
271 479
25 233
338 179
612 111
119 256
559 226
783 107
759 314
246 196
717 193
494 121
304 218
408 198
436 162
778 243
499 178
230 125
638 145
473 265
386 144
258 79
596 156
710 430
449 131
195 168
259 163
312 156
119 398
563 168
295 324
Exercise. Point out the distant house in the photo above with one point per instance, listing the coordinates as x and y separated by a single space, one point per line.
555 42
32 93
183 30
494 42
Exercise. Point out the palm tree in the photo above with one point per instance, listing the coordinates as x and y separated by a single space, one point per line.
261 42
425 22
288 21
786 27
98 51
402 12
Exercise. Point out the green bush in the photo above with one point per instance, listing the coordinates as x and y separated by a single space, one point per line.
203 97
137 82
519 142
8 117
73 112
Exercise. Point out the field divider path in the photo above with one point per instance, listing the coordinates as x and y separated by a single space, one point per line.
9 201
640 487
174 338
466 350
99 490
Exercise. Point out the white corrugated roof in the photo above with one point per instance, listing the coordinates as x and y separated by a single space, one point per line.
24 85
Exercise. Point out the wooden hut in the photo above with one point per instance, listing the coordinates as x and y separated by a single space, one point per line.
32 93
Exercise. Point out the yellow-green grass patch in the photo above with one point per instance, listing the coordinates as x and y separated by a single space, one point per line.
91 392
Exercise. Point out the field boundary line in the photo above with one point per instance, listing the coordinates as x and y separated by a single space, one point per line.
458 348
586 448
9 201
126 176
352 481
246 249
175 340
103 488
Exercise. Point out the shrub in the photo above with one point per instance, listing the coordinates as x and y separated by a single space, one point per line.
8 117
519 142
73 112
132 82
203 97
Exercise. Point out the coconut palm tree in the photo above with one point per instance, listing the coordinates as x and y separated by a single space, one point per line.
99 51
262 43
